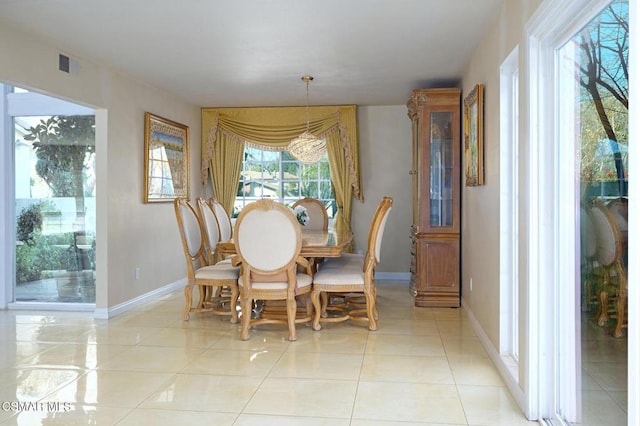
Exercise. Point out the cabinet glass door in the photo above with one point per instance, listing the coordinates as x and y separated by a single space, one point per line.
441 172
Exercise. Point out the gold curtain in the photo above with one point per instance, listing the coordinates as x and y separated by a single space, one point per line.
225 131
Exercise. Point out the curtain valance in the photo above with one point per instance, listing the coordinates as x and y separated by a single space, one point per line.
272 128
225 132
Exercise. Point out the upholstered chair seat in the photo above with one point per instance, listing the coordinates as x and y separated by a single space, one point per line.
219 271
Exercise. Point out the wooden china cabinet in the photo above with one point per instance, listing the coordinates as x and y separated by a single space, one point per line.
435 233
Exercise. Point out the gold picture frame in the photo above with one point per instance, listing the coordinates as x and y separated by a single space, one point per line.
166 159
473 136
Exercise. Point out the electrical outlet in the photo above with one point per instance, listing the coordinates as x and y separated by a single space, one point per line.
137 273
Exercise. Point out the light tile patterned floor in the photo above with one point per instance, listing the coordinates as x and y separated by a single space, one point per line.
604 374
422 366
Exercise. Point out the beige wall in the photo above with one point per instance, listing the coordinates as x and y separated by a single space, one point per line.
385 160
481 205
130 234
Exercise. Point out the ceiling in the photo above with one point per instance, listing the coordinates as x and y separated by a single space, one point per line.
215 53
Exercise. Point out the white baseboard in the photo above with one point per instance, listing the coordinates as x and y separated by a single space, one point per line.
106 313
507 369
47 306
400 276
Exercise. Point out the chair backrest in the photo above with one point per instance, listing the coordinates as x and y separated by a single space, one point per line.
190 229
376 230
619 208
609 242
210 228
224 220
268 237
318 217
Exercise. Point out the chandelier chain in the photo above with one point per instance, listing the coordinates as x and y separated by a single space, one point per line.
307 147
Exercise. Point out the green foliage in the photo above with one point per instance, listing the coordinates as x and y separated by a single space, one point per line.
62 146
29 221
46 252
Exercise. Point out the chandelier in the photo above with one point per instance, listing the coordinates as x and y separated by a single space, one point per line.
307 148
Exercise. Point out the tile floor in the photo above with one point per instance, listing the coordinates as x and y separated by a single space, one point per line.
422 366
69 287
604 374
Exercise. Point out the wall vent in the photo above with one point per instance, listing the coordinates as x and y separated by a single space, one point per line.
64 63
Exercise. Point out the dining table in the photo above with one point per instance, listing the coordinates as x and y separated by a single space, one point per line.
315 244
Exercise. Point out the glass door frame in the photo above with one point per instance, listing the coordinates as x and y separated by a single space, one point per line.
7 195
552 193
15 105
633 407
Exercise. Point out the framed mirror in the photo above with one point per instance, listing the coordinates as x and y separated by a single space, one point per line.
166 159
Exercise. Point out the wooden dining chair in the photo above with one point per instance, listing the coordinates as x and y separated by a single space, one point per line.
199 272
224 220
268 240
211 229
588 259
609 253
353 274
211 233
317 212
224 232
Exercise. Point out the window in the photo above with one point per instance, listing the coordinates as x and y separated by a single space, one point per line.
509 199
277 175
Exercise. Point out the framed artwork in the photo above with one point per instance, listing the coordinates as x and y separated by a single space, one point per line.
166 159
473 136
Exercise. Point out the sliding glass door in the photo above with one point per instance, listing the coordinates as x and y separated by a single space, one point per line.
581 352
599 57
55 189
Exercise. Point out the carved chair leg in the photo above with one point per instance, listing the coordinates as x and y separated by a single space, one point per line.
325 302
620 312
202 295
233 305
188 295
308 305
374 291
621 301
317 309
371 310
604 307
246 304
292 308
